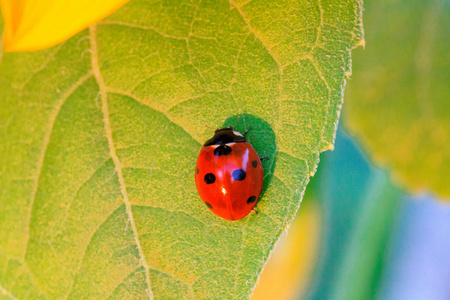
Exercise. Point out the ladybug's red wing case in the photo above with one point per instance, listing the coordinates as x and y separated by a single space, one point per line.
229 179
246 182
209 182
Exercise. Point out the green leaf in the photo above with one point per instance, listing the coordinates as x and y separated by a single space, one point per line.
100 137
398 103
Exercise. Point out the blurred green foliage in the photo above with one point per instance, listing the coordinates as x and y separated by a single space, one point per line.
397 102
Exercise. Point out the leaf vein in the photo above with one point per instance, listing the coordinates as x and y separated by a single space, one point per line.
43 66
128 94
112 151
183 213
7 293
269 51
76 194
191 26
179 279
255 33
80 263
46 141
118 285
142 27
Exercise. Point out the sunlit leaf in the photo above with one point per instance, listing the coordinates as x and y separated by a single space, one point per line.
100 137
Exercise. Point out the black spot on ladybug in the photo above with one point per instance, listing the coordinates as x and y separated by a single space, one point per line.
254 164
239 174
222 150
209 205
198 170
251 199
210 178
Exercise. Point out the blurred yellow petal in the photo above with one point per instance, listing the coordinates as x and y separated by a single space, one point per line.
38 24
289 271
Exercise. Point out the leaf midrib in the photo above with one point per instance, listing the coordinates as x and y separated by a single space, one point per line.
113 155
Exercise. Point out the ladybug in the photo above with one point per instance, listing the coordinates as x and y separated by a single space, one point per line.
229 175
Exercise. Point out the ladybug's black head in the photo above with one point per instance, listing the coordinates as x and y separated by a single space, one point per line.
224 136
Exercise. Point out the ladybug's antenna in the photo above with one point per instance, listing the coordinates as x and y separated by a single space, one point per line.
235 122
245 133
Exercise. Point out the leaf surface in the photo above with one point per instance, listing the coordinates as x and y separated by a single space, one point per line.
100 137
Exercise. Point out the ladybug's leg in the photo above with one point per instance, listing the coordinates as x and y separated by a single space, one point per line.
264 158
254 210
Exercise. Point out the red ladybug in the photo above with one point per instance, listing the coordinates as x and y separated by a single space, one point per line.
229 175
